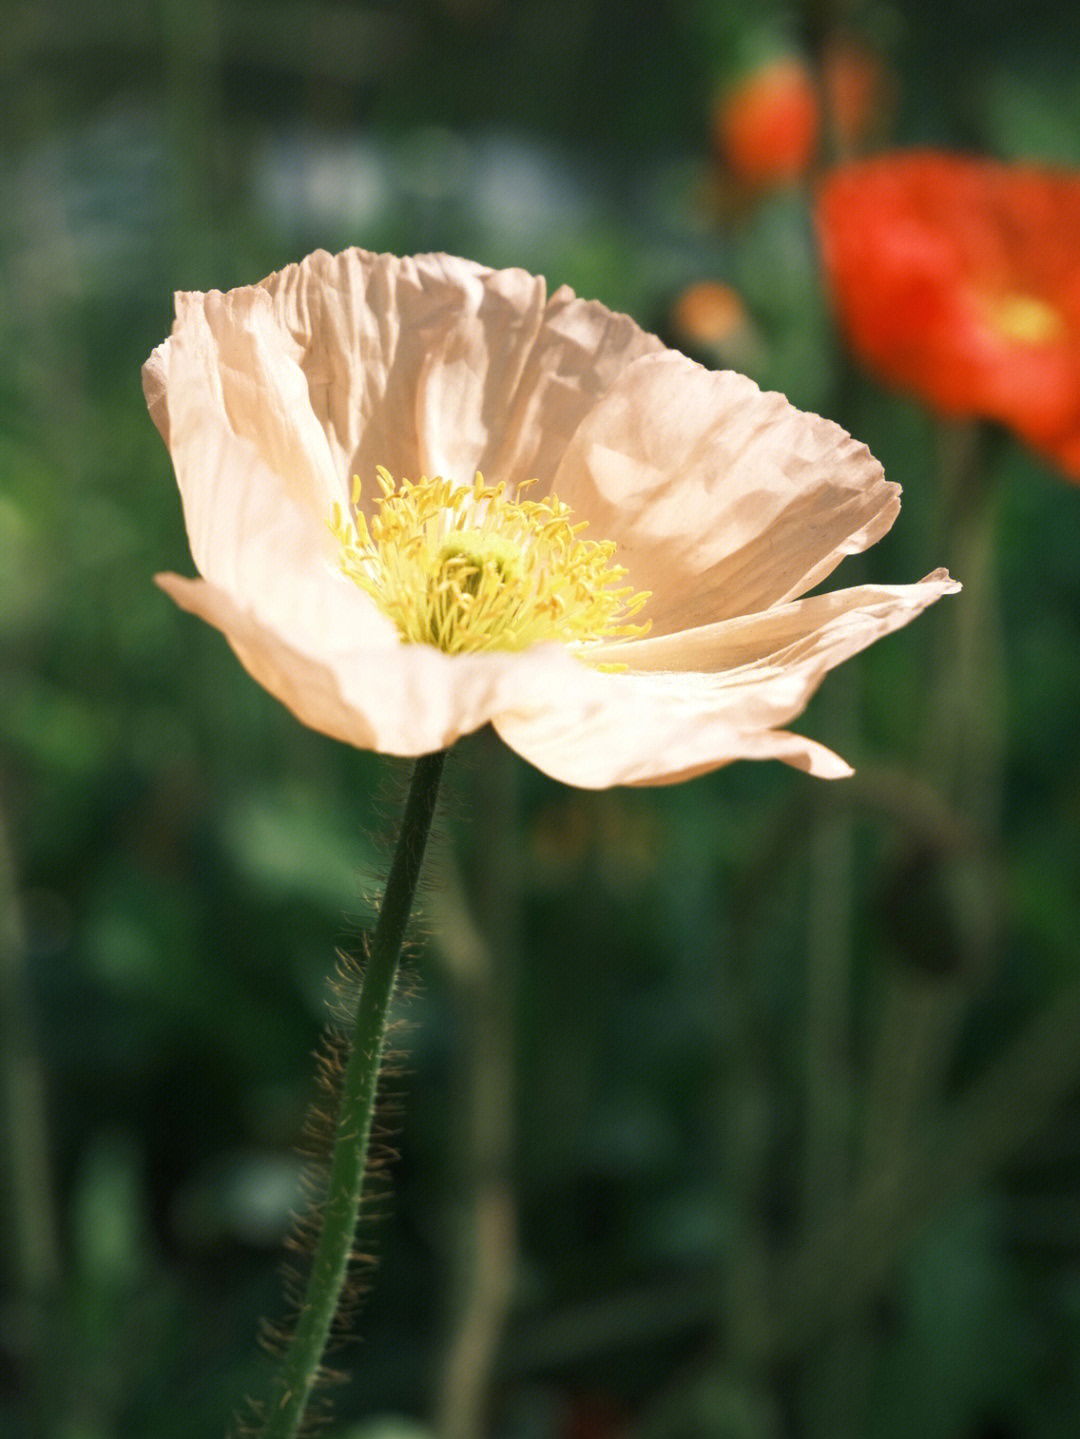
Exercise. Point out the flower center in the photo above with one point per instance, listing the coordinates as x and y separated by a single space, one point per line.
1024 319
465 567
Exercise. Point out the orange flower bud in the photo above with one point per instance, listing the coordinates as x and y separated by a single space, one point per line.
709 322
765 128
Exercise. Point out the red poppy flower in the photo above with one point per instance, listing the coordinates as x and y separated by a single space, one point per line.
958 280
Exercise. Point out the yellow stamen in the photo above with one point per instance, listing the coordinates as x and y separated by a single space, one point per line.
465 567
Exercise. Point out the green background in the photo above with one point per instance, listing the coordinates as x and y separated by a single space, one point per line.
780 1079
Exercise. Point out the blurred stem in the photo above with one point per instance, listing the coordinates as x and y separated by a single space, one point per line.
922 1014
830 959
36 1248
913 1046
633 1319
745 1071
837 1387
485 966
828 993
820 23
840 1267
748 1278
912 1162
355 1107
193 105
967 741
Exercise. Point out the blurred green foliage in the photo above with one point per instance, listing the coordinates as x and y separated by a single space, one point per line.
794 1139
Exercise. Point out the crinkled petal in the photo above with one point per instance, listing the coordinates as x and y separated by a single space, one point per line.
581 350
227 391
255 472
392 349
824 628
724 500
620 729
700 699
402 699
282 566
435 365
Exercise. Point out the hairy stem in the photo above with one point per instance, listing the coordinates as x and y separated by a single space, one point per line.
356 1104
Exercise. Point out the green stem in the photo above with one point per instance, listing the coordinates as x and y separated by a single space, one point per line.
356 1105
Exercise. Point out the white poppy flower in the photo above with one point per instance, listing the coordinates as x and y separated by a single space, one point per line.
329 428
